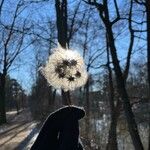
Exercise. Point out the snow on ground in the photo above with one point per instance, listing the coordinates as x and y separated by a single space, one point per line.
19 132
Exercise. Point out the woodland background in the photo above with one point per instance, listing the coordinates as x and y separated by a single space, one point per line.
114 39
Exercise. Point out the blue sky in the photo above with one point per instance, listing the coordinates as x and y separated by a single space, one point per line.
25 74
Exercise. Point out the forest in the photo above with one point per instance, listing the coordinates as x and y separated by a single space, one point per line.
112 37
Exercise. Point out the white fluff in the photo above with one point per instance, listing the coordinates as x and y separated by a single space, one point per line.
73 75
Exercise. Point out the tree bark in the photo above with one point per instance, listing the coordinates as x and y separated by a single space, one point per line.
112 138
133 130
148 39
62 30
148 55
115 110
123 93
61 14
104 15
87 102
2 99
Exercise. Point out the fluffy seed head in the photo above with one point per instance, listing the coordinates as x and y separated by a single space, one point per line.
65 69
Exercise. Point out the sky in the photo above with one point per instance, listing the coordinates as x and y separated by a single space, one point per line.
38 14
25 73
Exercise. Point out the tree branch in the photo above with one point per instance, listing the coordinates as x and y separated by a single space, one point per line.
99 6
73 22
117 12
140 2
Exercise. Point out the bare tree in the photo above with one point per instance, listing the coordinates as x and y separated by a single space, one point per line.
104 15
112 138
115 111
65 31
12 44
146 4
87 36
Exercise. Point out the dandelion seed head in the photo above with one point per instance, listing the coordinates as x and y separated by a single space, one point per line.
65 69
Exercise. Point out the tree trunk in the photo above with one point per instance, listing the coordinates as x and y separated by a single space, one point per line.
17 106
104 15
87 119
61 14
62 30
66 98
50 96
112 138
148 39
2 99
123 93
133 130
148 53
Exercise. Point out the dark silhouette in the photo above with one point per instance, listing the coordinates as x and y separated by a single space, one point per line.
61 130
